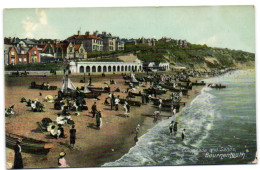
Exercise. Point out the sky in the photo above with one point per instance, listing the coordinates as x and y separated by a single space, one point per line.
217 26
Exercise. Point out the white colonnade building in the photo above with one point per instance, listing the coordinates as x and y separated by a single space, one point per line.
103 67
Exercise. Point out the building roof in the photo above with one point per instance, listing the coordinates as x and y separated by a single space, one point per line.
29 42
77 46
82 37
63 45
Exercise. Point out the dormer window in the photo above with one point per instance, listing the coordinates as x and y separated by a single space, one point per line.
22 52
12 52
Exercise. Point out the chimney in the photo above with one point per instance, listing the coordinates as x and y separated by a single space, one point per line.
95 33
104 33
87 33
78 32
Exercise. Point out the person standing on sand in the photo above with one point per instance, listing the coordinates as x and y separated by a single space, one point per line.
94 109
62 161
72 136
175 128
99 119
117 100
112 101
183 134
171 126
18 160
126 109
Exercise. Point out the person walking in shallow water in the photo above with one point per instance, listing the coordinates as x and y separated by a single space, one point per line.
175 128
171 126
183 134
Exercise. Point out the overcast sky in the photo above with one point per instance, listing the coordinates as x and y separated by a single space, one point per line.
224 26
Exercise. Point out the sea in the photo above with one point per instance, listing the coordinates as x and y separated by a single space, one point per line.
220 128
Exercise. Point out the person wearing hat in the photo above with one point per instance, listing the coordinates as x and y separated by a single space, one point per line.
18 160
62 161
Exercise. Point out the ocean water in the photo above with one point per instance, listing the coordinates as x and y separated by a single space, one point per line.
220 128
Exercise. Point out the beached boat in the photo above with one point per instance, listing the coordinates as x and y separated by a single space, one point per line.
153 91
184 91
28 144
130 102
135 94
68 90
42 87
217 86
169 103
99 89
188 87
202 83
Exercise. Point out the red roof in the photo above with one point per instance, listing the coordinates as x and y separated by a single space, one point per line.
77 46
82 37
63 46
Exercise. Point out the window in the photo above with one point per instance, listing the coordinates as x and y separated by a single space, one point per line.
81 50
22 51
34 52
12 52
20 60
70 49
24 59
12 60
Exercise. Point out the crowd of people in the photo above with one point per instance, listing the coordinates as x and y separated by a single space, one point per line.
77 104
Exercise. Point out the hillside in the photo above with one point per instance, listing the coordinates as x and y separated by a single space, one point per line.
193 56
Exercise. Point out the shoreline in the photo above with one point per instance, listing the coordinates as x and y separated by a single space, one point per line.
98 147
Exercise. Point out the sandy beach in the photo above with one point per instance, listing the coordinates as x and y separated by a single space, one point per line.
93 147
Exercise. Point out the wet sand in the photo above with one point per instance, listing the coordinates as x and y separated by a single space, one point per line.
93 147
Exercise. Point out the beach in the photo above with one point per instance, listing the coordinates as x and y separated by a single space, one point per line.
93 147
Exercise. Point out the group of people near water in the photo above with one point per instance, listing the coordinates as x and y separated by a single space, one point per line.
64 118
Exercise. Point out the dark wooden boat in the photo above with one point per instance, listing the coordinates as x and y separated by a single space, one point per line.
169 103
188 87
184 91
218 87
202 83
153 91
187 81
90 95
28 144
76 94
42 87
98 89
135 94
134 83
131 102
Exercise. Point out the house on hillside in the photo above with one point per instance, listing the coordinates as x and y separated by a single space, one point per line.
60 50
120 45
76 51
109 42
90 42
21 55
47 53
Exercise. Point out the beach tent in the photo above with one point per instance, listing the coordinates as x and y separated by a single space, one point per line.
71 85
86 90
133 79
